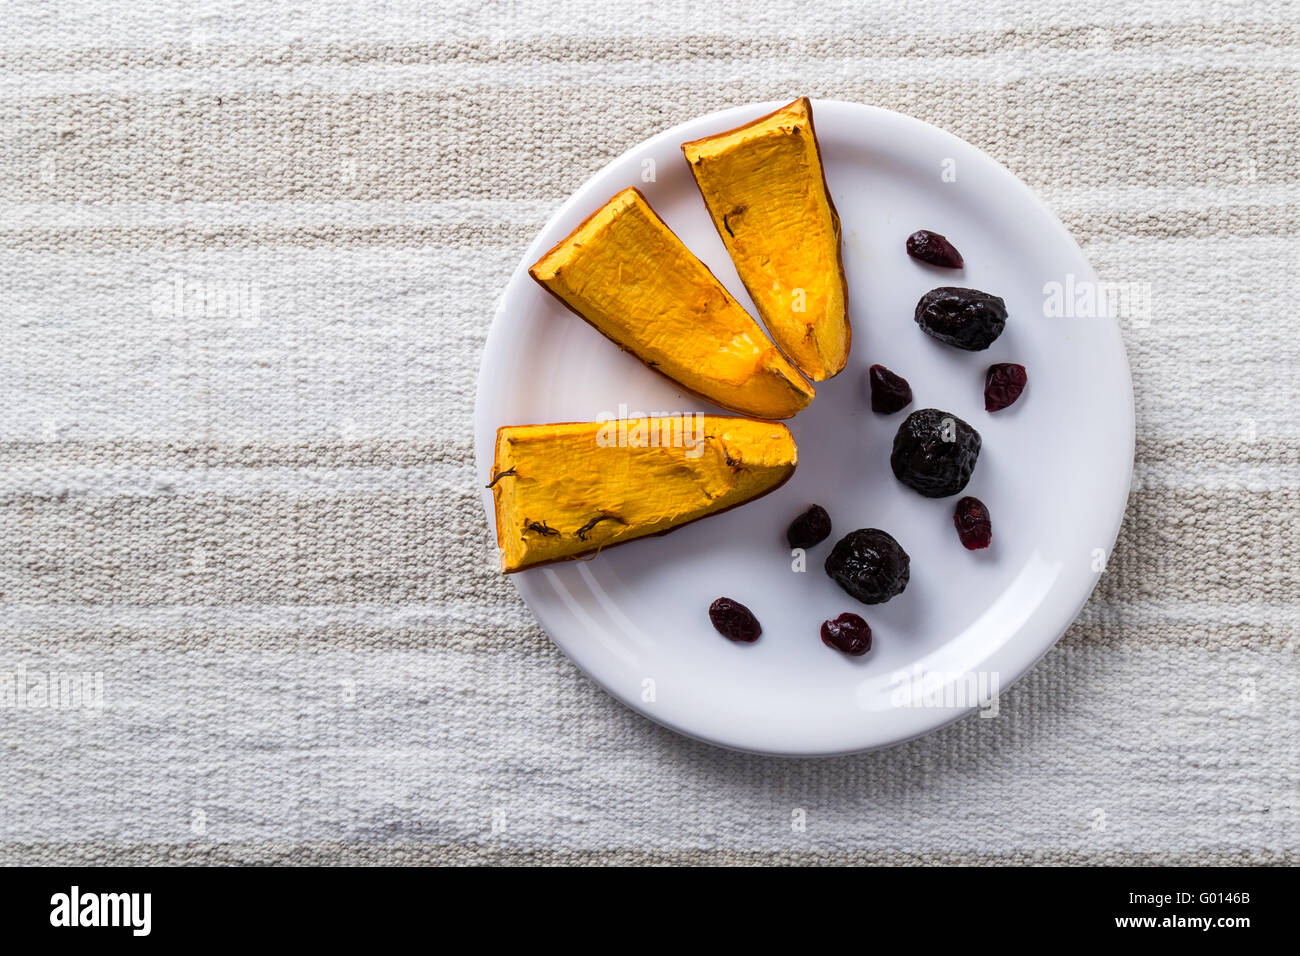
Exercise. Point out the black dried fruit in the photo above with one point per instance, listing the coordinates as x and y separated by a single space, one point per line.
974 526
870 565
966 318
889 392
847 633
1002 385
933 248
934 453
810 528
734 621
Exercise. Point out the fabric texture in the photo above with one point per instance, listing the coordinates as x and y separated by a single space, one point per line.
250 257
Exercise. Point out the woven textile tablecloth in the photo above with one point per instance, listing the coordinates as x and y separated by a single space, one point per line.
250 259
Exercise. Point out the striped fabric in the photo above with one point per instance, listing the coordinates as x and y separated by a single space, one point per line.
250 256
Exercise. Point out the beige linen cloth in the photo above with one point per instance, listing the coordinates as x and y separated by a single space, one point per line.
260 523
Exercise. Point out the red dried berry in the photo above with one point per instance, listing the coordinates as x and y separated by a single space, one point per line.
734 621
933 248
889 392
1003 385
848 633
974 526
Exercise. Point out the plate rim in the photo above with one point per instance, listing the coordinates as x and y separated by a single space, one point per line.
724 119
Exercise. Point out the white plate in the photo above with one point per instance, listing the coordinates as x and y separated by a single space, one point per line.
1054 470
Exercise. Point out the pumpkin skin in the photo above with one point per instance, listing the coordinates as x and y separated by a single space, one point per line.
627 274
766 192
569 489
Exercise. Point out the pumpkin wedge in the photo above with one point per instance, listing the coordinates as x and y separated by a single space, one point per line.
627 273
766 192
564 490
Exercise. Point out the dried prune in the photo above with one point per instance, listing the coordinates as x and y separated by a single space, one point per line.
810 528
847 633
1002 385
967 318
933 248
870 565
934 453
889 392
974 526
734 621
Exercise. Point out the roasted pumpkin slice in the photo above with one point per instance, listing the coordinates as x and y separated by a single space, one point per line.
565 490
766 191
627 273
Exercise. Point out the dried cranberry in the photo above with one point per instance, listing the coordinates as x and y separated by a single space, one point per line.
933 248
889 392
974 526
810 528
734 621
1003 385
847 633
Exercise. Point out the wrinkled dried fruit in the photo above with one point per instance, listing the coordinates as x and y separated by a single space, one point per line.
966 318
734 621
810 528
934 453
870 565
1003 385
847 633
889 392
933 248
974 526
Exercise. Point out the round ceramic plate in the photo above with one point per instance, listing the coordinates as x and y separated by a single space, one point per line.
1054 470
